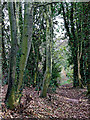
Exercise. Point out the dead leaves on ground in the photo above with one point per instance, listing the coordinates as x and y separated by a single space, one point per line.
67 102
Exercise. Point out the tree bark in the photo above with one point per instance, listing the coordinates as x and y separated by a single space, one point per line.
10 96
25 47
79 42
4 63
13 95
87 43
48 73
0 47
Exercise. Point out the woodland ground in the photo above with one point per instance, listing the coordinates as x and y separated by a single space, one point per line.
67 102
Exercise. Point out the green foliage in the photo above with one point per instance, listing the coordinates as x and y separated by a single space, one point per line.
69 73
55 74
75 16
26 78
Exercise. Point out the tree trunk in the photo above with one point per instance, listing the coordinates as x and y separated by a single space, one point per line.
0 47
87 43
17 22
15 85
72 43
79 74
47 75
25 47
4 63
79 44
10 96
37 60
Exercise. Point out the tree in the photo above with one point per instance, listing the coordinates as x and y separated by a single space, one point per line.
15 85
86 28
48 73
31 42
0 42
4 63
76 25
11 84
26 45
72 42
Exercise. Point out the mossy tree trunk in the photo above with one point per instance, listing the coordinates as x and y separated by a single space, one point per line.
14 87
17 6
87 43
79 42
10 96
48 73
79 74
25 47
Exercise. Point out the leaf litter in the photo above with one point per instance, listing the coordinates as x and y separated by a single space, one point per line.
66 102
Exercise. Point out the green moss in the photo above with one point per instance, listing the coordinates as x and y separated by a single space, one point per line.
46 84
35 78
11 100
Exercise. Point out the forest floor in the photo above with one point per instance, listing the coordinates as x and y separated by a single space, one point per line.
66 103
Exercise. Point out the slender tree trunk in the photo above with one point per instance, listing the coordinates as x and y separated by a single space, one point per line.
83 61
20 21
10 96
79 44
74 48
0 45
87 43
17 21
4 63
37 60
25 47
79 74
0 56
47 75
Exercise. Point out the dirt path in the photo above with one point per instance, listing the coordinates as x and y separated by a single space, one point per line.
64 78
67 102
